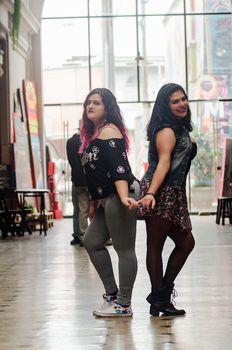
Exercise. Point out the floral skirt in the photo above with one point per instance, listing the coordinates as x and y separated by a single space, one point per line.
171 204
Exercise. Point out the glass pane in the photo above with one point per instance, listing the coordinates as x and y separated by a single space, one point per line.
98 76
125 51
55 144
111 7
203 175
160 7
136 116
60 124
65 60
209 41
202 6
174 49
161 59
70 8
113 63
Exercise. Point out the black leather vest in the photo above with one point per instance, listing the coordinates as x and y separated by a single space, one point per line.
180 158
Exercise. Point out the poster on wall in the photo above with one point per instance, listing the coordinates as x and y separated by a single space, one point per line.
21 153
30 101
227 169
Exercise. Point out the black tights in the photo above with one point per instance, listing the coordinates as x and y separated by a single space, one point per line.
158 229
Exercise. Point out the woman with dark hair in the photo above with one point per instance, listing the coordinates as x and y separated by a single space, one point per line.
163 201
113 192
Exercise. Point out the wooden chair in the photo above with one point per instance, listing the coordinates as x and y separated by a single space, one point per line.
224 210
12 216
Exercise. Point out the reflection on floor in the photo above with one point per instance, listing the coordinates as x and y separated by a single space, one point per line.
48 290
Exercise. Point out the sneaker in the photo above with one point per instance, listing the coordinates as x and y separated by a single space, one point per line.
76 240
107 301
114 310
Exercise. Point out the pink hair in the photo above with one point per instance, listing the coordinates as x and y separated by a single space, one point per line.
113 115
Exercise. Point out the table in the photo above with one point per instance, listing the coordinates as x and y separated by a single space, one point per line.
35 193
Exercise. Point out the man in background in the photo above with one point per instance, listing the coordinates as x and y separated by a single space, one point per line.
80 196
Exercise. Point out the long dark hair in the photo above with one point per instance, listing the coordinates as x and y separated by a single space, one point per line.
112 115
161 113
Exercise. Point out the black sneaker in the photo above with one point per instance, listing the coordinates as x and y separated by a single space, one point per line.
76 240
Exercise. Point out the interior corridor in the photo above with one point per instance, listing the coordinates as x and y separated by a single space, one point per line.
49 288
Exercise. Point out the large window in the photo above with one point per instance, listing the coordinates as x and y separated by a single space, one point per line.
133 47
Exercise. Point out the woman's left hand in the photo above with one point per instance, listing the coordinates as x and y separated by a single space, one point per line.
129 202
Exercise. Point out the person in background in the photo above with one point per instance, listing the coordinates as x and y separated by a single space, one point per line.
80 195
163 200
113 192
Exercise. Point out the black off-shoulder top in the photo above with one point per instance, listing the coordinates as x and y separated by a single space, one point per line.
104 162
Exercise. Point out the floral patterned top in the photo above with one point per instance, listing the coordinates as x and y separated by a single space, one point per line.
104 162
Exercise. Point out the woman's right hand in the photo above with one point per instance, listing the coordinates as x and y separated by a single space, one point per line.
147 202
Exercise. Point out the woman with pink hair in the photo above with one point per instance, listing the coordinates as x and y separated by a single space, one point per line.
113 193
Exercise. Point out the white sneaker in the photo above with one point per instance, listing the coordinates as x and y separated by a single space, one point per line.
114 310
107 301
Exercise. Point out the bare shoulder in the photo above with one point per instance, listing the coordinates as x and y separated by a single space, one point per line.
166 133
110 131
165 138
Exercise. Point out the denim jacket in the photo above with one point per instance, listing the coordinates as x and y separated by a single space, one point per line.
180 158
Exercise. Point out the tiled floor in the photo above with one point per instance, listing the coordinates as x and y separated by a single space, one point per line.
48 290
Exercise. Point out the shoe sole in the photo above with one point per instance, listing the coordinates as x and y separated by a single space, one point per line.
99 314
172 314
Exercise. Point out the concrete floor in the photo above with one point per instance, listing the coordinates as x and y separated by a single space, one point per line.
48 290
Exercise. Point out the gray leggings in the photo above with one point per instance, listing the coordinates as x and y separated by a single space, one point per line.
119 223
